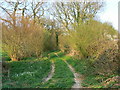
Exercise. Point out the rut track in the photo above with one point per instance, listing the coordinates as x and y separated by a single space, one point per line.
77 77
50 75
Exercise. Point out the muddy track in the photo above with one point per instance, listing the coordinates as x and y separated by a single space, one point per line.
50 75
77 77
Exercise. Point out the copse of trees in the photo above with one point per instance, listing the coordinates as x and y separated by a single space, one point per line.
29 39
24 34
89 39
72 14
72 29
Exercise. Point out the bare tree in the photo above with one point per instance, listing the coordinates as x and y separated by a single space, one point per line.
19 29
75 12
10 11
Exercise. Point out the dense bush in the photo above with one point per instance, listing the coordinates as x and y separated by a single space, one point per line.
107 62
88 39
28 39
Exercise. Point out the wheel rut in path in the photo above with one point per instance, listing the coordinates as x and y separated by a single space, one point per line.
77 77
50 75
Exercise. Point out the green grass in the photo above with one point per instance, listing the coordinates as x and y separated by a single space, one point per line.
29 73
5 57
60 54
26 74
63 77
56 54
81 66
84 67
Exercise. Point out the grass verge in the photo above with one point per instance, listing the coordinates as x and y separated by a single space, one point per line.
25 74
91 79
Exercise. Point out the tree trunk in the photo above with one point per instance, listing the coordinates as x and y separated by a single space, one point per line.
57 41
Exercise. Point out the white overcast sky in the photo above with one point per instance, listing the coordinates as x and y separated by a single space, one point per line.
109 13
